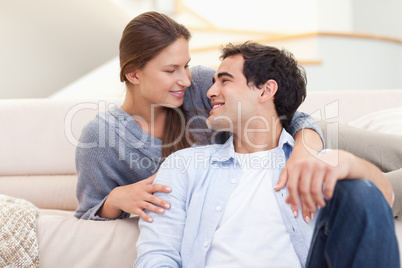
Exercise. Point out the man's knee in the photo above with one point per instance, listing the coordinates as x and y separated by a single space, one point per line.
359 189
360 195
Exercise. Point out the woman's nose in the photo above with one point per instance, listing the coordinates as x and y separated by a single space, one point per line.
185 79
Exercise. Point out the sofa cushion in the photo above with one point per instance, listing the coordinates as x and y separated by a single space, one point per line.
47 192
39 136
386 121
65 241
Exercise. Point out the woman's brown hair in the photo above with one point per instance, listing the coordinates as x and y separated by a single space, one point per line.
144 38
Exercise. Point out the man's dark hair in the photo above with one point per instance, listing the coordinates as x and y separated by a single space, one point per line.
262 63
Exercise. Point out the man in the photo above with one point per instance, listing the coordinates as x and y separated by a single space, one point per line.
225 211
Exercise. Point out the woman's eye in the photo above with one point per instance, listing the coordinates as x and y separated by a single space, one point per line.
186 66
170 71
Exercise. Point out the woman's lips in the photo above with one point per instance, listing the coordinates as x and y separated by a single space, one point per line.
177 94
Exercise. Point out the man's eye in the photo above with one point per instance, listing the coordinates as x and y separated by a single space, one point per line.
170 71
223 81
186 66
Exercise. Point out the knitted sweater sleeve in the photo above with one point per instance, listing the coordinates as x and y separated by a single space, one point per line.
304 121
97 166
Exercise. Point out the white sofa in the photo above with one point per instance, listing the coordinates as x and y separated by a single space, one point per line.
37 141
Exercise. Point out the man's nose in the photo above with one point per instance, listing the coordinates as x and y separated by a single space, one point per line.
213 92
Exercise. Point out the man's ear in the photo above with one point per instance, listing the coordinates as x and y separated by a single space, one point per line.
268 90
132 77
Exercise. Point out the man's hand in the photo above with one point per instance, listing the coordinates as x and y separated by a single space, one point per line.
310 177
307 144
307 213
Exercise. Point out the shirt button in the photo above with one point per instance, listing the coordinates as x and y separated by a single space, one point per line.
205 244
218 208
233 181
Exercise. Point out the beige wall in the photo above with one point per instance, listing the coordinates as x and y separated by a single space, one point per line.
381 17
47 44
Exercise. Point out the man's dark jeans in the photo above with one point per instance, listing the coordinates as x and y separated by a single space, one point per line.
355 229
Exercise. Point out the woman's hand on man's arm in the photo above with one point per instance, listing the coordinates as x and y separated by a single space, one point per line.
134 198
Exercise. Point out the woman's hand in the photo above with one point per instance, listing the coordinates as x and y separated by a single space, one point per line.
134 198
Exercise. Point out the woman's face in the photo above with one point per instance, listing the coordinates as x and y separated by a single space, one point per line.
164 79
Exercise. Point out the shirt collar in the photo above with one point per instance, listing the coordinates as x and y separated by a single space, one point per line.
286 142
226 151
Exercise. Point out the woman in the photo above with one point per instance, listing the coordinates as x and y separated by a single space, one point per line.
164 110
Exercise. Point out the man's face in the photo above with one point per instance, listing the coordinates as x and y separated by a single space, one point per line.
233 101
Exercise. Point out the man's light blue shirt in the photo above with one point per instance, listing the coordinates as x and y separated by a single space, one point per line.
202 180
